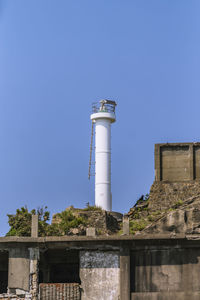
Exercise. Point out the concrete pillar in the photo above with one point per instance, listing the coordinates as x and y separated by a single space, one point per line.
34 226
34 272
191 153
19 269
125 293
157 161
126 229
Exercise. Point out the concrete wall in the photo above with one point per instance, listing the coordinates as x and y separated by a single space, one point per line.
177 162
156 267
100 275
157 274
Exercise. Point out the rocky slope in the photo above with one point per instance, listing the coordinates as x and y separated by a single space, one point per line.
103 221
170 208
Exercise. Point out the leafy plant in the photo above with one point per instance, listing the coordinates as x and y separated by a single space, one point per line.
137 225
67 220
20 223
151 218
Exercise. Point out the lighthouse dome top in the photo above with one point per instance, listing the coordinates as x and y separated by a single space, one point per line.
104 109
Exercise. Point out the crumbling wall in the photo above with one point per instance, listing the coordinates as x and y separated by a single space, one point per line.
34 272
22 274
100 275
105 222
60 291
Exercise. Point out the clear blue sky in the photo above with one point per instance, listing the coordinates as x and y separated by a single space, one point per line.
56 58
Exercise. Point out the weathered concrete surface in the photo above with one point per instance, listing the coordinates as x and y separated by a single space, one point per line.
166 296
173 162
165 270
100 275
177 162
18 264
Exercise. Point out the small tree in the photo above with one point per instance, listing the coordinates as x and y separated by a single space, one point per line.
20 223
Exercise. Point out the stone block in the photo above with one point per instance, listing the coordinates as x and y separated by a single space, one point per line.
90 231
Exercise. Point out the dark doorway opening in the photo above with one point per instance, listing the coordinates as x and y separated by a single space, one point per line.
59 266
3 272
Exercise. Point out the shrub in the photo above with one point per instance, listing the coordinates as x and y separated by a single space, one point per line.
67 221
20 223
137 225
151 218
91 208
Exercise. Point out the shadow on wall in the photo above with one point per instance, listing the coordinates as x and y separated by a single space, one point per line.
3 272
59 266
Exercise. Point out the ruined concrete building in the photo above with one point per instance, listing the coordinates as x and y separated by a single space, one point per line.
160 263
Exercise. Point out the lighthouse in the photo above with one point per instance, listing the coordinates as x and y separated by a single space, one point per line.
103 115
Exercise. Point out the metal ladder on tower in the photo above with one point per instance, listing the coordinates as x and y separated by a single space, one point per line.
91 147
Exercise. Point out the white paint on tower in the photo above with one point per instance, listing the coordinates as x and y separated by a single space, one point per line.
103 115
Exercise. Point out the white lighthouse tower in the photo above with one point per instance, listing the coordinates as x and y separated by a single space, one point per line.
103 115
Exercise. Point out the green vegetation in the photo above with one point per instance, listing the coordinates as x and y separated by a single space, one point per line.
178 203
156 213
136 215
137 225
99 231
67 220
20 223
151 218
171 209
91 207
